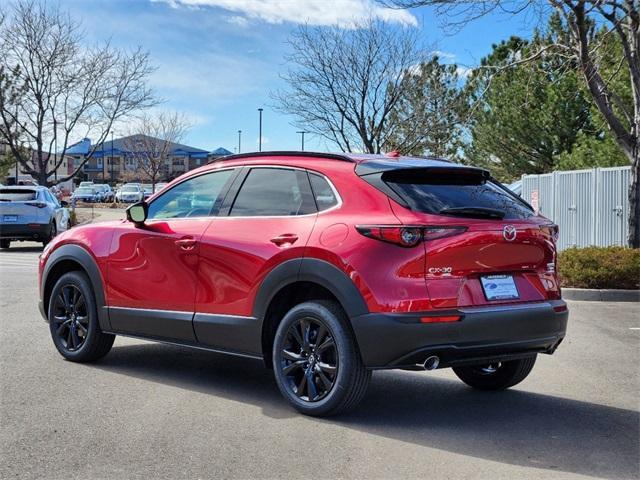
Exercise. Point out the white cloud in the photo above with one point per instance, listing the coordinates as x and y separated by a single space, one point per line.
344 13
464 72
238 20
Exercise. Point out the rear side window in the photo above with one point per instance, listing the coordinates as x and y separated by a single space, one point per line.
323 193
463 194
17 195
273 192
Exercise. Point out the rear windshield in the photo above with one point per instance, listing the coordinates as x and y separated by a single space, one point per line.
130 188
84 191
17 195
462 194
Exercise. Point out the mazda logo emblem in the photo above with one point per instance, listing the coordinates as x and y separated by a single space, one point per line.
509 233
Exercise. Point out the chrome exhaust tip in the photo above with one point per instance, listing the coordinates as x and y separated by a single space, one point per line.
431 363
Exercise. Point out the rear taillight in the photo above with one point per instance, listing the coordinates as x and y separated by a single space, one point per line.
36 204
403 236
551 230
407 236
433 233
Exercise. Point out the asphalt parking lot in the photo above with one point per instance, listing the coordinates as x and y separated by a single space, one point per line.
155 411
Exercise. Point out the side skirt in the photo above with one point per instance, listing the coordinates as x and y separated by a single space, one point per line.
187 344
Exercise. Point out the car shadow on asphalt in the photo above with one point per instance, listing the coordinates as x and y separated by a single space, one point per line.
514 427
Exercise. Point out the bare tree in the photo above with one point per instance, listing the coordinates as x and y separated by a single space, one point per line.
53 88
620 18
153 140
344 83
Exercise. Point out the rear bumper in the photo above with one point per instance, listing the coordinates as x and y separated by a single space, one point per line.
31 231
481 335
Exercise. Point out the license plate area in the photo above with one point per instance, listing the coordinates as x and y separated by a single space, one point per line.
499 287
10 218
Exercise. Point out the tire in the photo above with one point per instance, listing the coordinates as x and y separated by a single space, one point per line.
496 376
5 244
53 231
335 357
82 318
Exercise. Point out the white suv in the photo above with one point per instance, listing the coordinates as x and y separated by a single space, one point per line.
130 193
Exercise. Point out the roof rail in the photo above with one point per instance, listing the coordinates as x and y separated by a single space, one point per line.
283 153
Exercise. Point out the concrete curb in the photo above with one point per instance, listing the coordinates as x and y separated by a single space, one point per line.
595 295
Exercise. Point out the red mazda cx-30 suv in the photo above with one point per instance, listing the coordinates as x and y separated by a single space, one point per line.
324 266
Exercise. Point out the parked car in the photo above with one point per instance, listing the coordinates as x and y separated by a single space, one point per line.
105 194
130 193
326 267
516 187
85 194
147 188
30 213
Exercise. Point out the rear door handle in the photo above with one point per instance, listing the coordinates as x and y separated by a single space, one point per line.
186 243
285 239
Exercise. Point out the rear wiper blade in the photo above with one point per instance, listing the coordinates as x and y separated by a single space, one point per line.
473 212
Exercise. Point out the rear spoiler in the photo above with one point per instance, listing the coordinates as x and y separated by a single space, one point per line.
415 166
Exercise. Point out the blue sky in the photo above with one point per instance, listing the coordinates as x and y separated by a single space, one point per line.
219 59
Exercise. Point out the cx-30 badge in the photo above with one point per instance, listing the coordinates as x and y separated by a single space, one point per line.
509 233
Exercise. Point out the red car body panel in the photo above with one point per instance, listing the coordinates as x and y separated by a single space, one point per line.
237 253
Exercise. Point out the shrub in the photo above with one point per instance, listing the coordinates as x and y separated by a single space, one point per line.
600 267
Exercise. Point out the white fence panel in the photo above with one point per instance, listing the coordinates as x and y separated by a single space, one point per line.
589 206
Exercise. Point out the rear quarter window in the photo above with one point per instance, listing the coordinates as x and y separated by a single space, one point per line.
323 193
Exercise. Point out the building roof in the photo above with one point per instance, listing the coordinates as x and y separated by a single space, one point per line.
221 151
80 148
123 145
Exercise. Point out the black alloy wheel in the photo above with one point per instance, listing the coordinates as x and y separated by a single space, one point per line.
309 359
70 317
73 319
496 375
316 361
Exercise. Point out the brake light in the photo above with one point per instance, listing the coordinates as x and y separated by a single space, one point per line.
551 230
36 204
407 236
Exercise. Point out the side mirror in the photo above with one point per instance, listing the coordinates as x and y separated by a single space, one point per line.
64 203
137 213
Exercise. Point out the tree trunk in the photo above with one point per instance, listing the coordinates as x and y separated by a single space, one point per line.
634 203
42 178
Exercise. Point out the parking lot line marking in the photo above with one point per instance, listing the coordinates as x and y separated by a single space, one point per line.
634 328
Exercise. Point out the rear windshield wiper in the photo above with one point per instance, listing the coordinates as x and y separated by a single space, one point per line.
473 212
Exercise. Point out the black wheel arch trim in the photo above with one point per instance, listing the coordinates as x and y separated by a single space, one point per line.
312 270
81 256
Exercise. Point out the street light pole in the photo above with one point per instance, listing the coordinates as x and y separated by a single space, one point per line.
239 141
55 148
104 167
302 132
260 129
111 157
